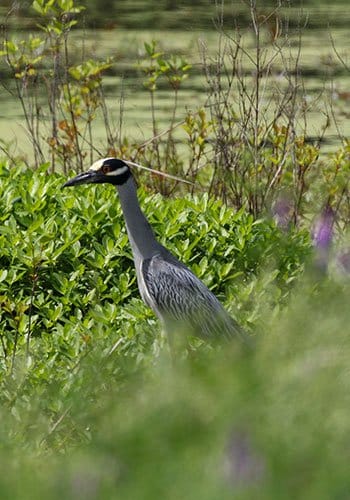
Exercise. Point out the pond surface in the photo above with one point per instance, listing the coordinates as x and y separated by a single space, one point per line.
324 80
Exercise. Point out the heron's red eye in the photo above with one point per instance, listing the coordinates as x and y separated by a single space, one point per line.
105 169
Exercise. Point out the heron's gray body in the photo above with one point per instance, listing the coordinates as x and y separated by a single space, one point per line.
181 300
167 286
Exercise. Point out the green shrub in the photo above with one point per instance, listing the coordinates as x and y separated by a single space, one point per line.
67 283
270 424
66 264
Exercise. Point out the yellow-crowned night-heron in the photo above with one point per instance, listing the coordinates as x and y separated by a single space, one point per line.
176 295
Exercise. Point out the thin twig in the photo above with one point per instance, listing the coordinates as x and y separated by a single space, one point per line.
341 59
158 172
56 424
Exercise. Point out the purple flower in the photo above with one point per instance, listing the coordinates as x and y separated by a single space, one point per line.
322 233
244 466
282 211
322 236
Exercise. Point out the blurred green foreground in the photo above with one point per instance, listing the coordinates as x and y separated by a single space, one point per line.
93 406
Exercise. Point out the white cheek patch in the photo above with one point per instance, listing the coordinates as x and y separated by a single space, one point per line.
119 171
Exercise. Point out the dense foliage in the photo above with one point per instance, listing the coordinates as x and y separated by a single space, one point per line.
84 364
67 270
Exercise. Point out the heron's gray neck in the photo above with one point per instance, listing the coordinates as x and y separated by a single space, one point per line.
141 236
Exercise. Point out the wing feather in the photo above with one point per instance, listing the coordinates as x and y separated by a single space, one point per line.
177 295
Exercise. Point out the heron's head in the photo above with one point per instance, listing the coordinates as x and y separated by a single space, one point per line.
106 170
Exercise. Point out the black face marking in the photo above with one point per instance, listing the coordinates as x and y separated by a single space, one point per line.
115 171
107 170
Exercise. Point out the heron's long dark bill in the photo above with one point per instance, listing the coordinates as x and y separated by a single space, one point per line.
84 178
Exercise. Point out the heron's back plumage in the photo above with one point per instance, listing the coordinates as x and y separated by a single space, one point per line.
179 297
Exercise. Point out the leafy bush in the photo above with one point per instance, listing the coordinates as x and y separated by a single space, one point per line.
67 283
271 424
